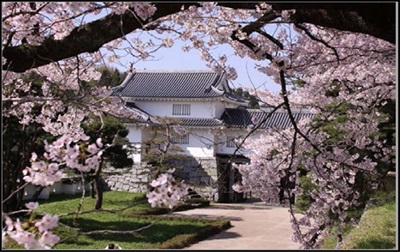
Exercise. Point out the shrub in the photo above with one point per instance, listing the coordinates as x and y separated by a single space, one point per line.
304 200
184 240
188 204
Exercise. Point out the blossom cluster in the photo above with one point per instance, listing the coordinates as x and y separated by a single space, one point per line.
166 191
63 152
33 234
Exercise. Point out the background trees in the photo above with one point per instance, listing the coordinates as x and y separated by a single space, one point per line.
113 133
253 102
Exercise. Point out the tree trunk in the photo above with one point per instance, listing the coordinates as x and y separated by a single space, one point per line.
14 203
92 189
98 187
10 185
99 193
35 196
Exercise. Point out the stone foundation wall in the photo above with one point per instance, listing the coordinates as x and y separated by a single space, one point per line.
134 179
199 173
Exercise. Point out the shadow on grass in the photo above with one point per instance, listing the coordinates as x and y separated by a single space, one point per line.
167 232
87 223
77 242
62 197
209 216
151 237
375 244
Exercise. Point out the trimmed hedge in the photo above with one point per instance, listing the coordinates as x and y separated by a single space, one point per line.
184 240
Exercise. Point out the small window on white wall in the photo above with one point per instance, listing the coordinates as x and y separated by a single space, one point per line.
180 139
230 142
181 109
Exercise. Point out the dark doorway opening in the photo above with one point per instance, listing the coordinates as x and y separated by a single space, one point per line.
228 176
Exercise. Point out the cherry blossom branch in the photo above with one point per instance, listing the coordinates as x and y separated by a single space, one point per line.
256 27
18 212
250 45
271 38
355 17
258 125
33 12
261 22
303 28
290 114
30 99
107 29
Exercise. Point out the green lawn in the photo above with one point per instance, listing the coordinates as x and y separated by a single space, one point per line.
165 231
376 228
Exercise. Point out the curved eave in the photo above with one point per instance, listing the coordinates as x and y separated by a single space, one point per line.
202 127
240 103
133 99
242 128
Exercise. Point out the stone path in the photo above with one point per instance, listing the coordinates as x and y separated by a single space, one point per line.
255 226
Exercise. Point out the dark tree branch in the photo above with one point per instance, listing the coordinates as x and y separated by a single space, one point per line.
375 19
250 45
254 129
259 23
85 38
274 40
290 114
256 27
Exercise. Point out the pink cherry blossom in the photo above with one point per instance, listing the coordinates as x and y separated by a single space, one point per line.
166 190
48 238
48 222
32 205
92 148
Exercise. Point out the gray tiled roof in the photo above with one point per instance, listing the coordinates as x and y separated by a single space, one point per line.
183 84
200 122
239 118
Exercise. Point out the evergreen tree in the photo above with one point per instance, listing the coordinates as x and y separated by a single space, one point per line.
253 101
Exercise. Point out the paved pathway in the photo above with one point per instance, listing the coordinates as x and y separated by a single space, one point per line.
255 226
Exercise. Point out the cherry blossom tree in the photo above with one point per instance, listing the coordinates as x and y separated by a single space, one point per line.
348 49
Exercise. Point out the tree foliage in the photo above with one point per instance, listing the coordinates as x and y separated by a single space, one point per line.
113 133
253 102
19 140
